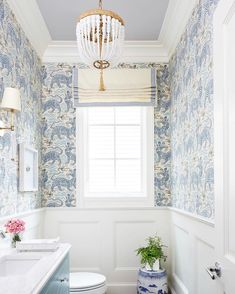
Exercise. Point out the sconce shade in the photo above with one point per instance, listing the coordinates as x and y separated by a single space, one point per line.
11 99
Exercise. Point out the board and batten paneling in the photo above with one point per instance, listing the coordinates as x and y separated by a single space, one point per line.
192 251
104 240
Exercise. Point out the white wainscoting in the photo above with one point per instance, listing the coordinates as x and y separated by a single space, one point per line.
34 224
104 240
192 251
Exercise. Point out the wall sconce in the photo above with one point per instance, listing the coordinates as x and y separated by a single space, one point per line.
11 102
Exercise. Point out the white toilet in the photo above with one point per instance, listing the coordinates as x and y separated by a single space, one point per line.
87 283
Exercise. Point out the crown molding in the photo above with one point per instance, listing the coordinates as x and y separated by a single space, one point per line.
134 51
31 20
176 19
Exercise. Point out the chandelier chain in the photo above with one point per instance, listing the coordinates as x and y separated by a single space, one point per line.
100 4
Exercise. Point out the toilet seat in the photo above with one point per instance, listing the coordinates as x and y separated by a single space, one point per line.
87 283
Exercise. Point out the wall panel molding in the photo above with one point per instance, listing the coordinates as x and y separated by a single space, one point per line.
193 216
122 230
23 214
196 252
179 285
108 248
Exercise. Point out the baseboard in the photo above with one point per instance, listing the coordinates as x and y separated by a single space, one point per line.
129 288
172 290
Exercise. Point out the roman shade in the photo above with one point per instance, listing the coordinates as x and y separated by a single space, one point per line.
123 87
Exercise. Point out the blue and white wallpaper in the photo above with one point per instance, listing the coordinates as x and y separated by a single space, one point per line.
59 131
19 67
184 172
192 115
58 169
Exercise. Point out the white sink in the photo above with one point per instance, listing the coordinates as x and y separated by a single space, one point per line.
17 264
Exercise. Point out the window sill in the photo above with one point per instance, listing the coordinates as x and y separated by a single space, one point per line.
115 202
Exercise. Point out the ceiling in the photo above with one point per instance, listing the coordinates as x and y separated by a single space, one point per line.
143 18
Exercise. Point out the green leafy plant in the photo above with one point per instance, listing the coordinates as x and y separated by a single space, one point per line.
152 252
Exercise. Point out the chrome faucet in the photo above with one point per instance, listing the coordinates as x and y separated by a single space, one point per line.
2 234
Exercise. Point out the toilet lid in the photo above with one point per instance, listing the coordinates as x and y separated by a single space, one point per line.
86 280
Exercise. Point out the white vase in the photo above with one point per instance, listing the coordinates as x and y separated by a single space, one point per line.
156 266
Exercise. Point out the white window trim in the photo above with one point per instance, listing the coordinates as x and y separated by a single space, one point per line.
90 202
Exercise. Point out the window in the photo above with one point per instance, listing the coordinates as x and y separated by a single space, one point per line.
115 155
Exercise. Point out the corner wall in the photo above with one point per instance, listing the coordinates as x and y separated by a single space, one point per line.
192 251
19 67
192 165
191 70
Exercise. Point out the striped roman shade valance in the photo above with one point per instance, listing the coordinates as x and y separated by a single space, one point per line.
123 87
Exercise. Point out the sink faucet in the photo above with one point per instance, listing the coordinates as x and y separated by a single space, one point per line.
2 234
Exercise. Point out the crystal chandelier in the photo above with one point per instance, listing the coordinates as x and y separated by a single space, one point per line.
100 38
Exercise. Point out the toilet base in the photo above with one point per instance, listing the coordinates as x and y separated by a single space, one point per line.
101 290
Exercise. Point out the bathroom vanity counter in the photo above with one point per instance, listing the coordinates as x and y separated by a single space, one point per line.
31 271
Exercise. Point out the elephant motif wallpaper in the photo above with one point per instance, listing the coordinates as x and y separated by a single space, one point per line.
19 67
191 69
59 130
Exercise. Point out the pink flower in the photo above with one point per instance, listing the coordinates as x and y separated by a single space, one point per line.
15 226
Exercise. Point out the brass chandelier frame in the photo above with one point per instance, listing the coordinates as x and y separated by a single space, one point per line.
101 64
